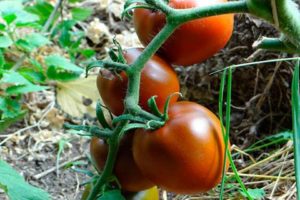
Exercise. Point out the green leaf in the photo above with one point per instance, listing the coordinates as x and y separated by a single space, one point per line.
2 60
112 195
88 53
2 27
32 41
20 84
15 186
32 75
81 14
5 41
60 68
23 89
9 17
10 107
25 18
255 193
42 9
10 6
6 122
37 40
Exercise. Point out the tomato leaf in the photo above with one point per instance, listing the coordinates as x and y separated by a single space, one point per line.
15 186
81 14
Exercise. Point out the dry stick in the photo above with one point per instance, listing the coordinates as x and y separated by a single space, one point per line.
279 175
263 176
52 169
265 160
29 127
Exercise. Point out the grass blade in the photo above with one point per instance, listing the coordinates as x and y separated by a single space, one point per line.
296 124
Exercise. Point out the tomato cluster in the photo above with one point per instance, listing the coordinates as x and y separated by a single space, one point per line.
186 155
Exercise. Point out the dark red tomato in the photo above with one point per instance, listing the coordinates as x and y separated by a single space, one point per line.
191 43
158 78
186 154
125 169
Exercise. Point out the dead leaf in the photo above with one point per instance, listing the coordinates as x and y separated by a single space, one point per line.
79 97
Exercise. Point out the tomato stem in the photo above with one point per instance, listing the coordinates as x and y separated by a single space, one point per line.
113 143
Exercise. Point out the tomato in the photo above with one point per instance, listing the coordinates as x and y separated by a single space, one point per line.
149 194
192 42
185 155
125 168
158 78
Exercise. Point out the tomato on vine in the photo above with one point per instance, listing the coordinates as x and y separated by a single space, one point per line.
194 41
128 174
158 79
185 155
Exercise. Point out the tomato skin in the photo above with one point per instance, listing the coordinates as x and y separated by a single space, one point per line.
125 169
149 194
186 154
191 43
157 78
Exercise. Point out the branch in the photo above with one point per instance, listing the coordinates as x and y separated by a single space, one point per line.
275 44
94 130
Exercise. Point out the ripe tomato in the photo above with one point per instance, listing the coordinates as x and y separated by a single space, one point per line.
186 154
158 78
191 43
125 169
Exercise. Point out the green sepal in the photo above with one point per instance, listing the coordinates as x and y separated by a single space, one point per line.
166 107
153 106
128 117
121 58
135 126
92 130
126 11
100 116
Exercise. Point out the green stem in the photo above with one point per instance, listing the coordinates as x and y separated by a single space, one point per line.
275 44
185 15
113 143
134 72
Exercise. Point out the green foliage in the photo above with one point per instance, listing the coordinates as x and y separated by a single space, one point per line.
15 186
256 193
33 69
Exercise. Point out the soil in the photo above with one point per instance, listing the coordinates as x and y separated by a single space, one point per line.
260 107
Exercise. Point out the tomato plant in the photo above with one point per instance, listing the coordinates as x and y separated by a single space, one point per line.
125 169
186 154
192 42
157 79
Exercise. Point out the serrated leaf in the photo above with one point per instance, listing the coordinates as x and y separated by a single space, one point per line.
6 122
23 89
42 9
37 40
15 186
10 108
78 97
32 75
24 18
81 14
63 63
112 195
5 41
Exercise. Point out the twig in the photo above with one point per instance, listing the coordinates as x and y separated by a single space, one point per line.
52 169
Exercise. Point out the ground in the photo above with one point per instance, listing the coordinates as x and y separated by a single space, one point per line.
260 108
